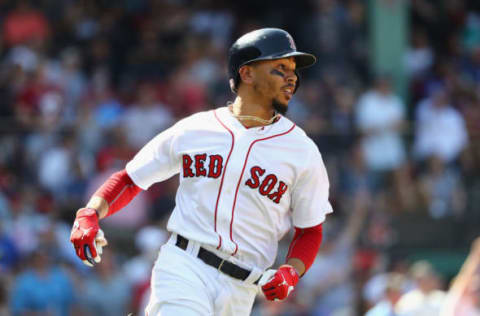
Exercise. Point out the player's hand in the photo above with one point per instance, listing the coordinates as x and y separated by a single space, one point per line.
277 284
87 237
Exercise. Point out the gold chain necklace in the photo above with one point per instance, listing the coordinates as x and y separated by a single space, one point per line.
257 119
254 118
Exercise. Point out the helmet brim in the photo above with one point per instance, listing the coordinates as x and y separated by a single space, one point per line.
302 60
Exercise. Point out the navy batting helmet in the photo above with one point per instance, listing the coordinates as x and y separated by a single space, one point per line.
264 44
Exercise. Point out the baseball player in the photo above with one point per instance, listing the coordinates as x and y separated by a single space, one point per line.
247 174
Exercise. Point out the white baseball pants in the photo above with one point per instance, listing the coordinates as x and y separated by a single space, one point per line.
183 285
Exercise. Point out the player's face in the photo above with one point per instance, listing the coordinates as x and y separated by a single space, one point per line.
275 80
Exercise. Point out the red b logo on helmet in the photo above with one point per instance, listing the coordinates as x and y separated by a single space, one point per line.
292 43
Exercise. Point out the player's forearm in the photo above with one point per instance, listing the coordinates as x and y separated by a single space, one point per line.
99 204
114 194
304 248
297 264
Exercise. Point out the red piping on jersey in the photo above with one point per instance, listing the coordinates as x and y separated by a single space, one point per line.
240 179
223 175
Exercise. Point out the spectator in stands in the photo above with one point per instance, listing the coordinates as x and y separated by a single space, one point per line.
374 288
8 253
354 176
23 24
56 164
426 299
342 119
67 74
42 288
145 118
440 128
107 292
420 56
380 118
395 285
442 189
403 194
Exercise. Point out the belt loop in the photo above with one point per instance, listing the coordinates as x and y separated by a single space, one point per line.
221 264
193 248
173 239
254 275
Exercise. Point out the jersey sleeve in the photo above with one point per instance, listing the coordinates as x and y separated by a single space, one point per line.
310 203
157 160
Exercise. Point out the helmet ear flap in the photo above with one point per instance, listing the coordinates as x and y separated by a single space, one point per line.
234 83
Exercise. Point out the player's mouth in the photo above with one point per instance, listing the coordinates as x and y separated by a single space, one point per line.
288 91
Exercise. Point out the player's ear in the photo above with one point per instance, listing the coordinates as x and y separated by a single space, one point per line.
246 74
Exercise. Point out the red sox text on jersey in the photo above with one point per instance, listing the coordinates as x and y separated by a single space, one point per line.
195 167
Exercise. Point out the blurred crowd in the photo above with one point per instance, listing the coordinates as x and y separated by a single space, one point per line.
85 84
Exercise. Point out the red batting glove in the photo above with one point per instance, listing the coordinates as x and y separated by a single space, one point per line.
279 285
83 235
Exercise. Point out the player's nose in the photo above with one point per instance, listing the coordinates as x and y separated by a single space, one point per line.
292 78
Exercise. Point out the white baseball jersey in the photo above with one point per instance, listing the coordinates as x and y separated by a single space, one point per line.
240 188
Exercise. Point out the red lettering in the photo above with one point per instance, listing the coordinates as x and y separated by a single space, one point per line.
276 196
187 163
267 184
254 181
215 166
199 165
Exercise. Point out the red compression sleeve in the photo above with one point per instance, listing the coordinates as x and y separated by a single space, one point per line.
305 244
118 191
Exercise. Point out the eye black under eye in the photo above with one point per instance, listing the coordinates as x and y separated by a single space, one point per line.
277 72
